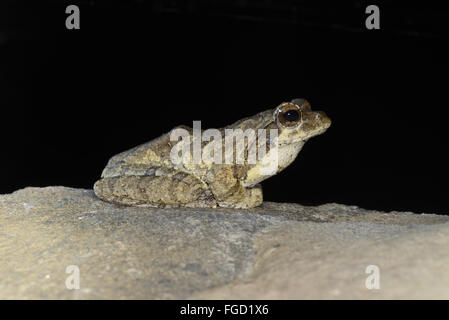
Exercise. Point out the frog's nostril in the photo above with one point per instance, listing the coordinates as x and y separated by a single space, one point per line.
319 115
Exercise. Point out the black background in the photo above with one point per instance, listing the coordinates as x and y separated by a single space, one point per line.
71 99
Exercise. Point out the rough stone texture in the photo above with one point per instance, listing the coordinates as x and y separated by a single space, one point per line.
277 251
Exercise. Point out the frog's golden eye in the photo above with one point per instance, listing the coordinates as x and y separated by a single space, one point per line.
289 115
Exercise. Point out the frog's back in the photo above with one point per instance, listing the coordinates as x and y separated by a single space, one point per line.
141 160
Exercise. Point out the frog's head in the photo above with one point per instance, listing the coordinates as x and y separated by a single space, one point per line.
296 122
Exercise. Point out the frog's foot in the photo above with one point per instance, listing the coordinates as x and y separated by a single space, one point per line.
250 198
155 191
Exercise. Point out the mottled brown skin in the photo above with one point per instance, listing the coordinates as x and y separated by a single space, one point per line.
146 176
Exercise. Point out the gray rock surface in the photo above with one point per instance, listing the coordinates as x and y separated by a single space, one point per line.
277 251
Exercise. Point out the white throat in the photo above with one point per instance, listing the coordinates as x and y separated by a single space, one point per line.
273 163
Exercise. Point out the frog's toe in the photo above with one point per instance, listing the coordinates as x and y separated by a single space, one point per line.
253 198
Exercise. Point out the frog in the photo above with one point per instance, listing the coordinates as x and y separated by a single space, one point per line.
147 174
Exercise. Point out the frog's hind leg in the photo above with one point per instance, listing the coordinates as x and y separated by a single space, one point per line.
181 190
229 191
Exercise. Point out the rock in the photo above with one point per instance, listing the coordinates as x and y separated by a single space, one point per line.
277 251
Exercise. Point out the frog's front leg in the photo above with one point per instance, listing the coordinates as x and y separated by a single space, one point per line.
228 190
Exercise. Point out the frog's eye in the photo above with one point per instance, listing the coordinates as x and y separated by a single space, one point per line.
289 115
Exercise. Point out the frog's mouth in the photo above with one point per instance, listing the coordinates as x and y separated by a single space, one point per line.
321 131
290 143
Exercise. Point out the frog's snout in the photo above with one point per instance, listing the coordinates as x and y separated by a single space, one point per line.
324 119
